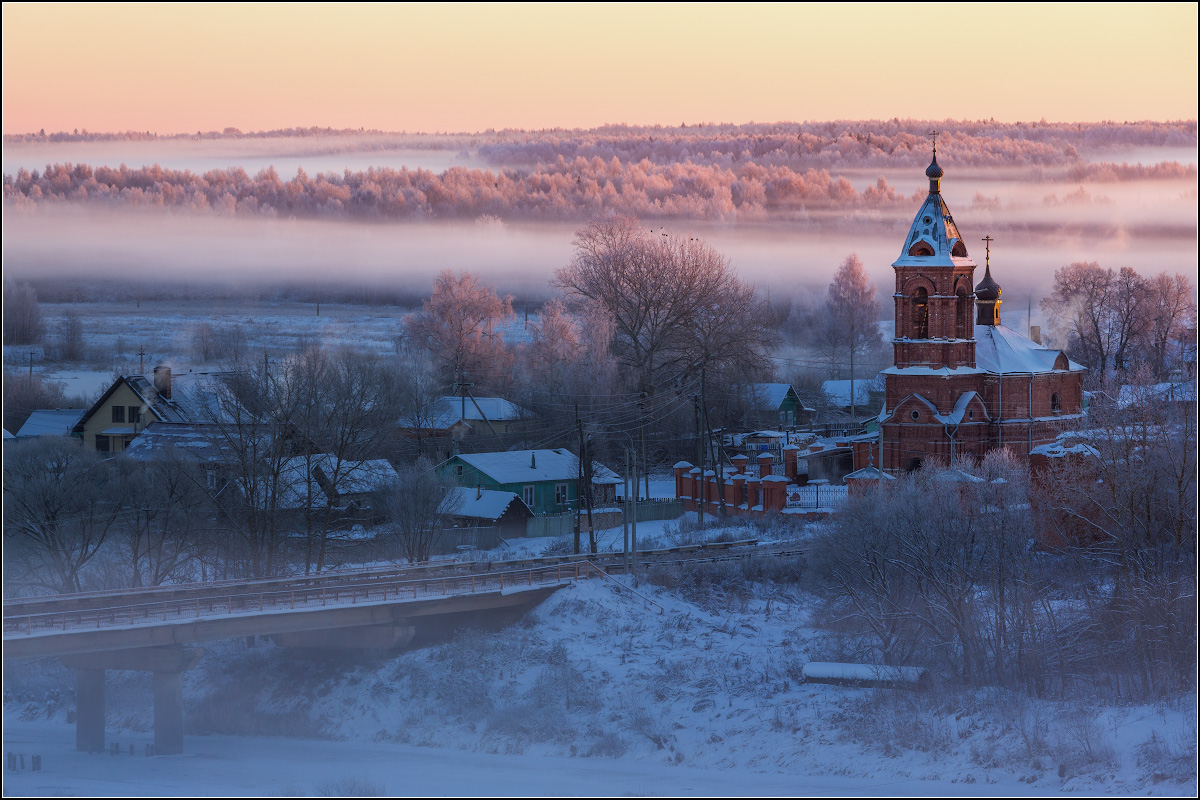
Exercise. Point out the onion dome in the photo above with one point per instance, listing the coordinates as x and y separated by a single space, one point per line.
988 289
934 170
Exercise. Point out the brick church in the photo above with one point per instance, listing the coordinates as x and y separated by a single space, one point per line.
961 383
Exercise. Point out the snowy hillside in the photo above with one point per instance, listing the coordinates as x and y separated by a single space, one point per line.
702 698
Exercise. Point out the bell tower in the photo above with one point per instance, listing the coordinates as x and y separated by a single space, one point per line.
935 302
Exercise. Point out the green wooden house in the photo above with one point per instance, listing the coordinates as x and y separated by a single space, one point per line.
546 480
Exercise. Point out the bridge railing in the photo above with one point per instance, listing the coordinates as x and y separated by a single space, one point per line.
310 597
290 599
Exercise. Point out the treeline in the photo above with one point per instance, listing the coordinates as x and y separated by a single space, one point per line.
825 145
84 135
565 190
580 188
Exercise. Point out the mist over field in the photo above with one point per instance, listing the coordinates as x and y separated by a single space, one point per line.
784 202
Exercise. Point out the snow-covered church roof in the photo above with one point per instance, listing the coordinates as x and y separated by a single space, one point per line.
933 238
1000 350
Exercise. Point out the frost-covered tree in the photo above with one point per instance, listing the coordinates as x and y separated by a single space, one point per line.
459 326
851 327
23 323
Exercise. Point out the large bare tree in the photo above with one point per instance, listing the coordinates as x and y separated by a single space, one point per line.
675 302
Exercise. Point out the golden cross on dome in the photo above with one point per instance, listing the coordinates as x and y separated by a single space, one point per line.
933 135
987 244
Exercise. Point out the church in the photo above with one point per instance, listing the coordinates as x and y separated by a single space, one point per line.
962 384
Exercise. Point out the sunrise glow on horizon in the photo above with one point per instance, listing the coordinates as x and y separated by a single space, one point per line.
181 68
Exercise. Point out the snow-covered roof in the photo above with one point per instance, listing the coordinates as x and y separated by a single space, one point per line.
1000 350
486 504
8 435
192 395
838 392
770 396
448 410
933 372
934 228
532 466
868 473
1060 450
186 440
353 477
955 475
1129 395
51 422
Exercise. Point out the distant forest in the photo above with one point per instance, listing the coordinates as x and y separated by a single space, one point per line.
709 172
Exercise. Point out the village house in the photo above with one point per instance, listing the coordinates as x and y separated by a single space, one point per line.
547 481
322 481
778 404
199 446
487 508
51 422
133 402
448 421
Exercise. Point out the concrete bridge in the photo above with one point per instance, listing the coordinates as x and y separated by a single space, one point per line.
155 628
156 635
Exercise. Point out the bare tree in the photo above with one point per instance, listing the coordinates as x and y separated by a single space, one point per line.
23 323
70 338
853 314
24 394
61 503
346 408
652 285
1171 311
418 506
163 526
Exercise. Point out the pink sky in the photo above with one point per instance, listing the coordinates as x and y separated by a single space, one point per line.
177 68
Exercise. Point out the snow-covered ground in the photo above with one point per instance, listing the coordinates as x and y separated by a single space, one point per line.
594 693
233 766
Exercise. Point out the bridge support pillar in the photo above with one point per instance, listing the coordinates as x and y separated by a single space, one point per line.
168 713
89 710
168 663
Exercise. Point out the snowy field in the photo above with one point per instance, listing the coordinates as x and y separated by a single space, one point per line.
594 693
167 331
274 767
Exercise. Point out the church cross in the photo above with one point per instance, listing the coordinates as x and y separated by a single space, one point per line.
987 244
141 354
933 135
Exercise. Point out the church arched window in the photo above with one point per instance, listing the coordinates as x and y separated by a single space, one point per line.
1055 403
962 314
959 250
920 249
920 316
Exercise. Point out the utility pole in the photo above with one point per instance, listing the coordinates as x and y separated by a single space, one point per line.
579 480
587 479
625 516
642 439
633 519
141 354
699 461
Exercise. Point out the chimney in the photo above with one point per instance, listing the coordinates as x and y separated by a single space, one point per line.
162 381
533 460
1035 333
